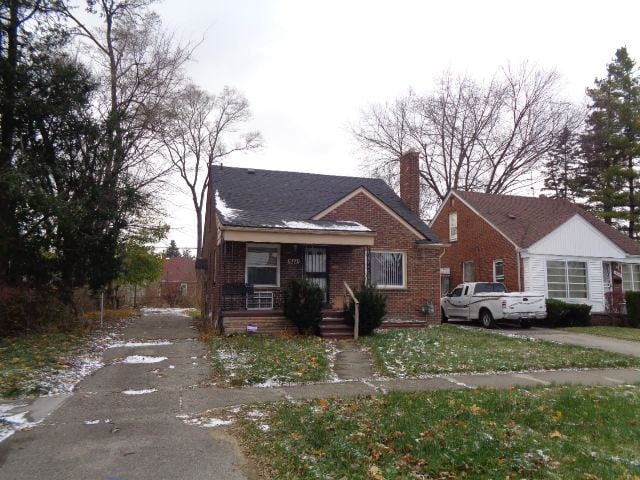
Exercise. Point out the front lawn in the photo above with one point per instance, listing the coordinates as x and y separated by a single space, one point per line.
25 360
268 360
621 333
449 349
562 432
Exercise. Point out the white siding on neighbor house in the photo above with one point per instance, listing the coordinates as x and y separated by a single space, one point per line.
535 276
577 238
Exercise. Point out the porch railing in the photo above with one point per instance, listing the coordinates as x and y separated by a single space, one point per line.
356 302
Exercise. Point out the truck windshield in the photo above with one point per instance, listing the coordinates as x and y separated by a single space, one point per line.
490 288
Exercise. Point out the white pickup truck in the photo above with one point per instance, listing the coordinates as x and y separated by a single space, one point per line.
490 302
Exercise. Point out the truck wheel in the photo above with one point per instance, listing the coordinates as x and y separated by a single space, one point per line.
525 323
443 316
487 319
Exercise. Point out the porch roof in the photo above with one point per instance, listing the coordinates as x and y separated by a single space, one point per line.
305 233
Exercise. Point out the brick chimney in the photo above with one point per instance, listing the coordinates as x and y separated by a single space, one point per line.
410 180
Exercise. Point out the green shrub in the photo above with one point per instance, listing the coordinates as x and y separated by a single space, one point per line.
373 308
303 303
633 308
562 314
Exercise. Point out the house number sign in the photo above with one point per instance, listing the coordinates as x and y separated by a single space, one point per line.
293 261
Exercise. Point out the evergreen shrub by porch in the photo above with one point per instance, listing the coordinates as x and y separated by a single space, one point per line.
633 308
303 303
562 314
373 308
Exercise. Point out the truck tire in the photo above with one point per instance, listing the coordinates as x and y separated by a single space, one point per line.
487 319
525 323
443 316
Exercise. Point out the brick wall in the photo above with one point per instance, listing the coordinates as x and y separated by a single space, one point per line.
423 264
478 242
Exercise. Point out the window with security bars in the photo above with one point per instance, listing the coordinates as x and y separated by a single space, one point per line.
566 279
260 301
630 277
387 269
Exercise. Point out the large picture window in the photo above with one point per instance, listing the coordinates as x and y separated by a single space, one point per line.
387 269
566 279
263 265
630 277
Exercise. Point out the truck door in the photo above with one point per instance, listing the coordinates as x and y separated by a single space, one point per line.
454 302
467 291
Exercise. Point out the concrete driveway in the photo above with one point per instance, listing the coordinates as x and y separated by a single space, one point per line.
553 335
100 432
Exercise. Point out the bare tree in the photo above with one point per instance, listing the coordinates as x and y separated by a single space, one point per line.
201 130
471 135
141 67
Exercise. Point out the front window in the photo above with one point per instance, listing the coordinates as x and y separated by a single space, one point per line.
468 273
263 265
630 277
387 269
566 279
453 226
498 271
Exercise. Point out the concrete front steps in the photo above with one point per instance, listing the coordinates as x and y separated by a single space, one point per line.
333 325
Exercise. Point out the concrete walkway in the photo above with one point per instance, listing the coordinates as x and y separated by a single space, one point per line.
102 433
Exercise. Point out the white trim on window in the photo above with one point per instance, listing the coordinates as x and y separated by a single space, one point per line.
273 246
465 277
563 275
404 269
453 226
630 277
498 278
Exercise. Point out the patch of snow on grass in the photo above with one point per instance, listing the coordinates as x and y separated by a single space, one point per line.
144 391
143 359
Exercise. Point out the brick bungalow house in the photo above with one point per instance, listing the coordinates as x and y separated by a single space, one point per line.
265 227
536 244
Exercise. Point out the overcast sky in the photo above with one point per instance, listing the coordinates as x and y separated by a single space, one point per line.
308 68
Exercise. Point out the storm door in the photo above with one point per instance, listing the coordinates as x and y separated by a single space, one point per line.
315 267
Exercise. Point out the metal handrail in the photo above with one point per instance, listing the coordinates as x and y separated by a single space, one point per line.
357 315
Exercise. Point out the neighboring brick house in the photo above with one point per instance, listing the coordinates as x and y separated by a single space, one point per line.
536 244
271 226
178 279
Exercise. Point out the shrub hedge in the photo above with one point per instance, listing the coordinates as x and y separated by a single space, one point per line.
633 308
303 303
373 308
562 314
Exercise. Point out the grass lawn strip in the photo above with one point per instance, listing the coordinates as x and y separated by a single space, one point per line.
539 433
48 363
264 360
621 333
448 349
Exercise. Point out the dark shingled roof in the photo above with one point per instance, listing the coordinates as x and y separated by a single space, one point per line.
525 220
268 198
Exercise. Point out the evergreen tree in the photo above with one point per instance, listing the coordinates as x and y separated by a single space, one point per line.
172 251
562 166
611 145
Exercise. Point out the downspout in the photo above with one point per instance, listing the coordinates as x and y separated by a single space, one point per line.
519 261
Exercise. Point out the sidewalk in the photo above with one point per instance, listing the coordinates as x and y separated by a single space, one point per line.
227 397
